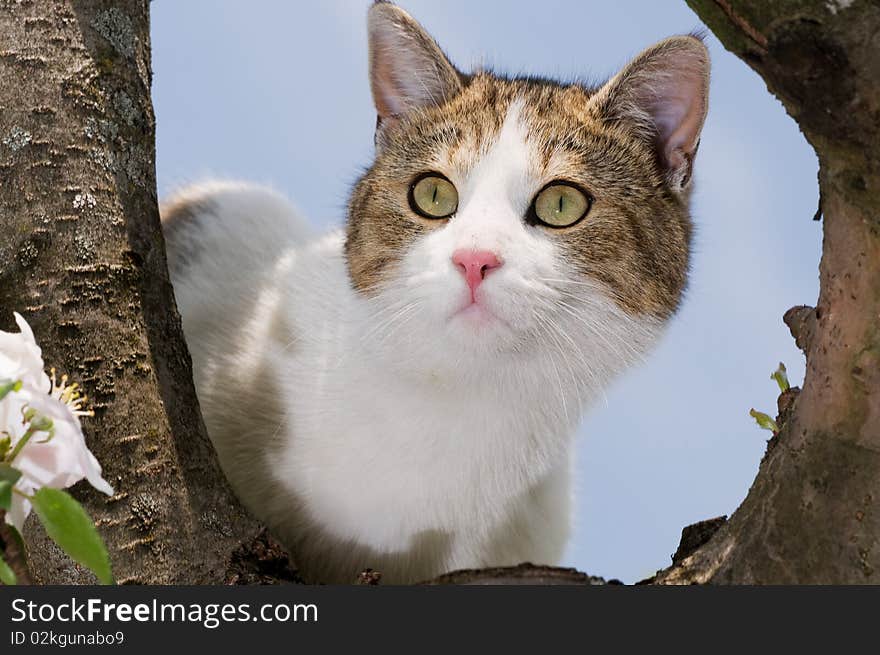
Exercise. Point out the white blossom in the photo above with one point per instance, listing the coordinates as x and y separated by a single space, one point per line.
21 357
41 419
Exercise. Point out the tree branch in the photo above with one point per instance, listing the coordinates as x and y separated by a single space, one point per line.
812 513
82 258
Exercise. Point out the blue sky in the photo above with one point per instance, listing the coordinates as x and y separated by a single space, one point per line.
276 91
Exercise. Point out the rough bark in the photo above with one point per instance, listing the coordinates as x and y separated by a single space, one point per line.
82 258
812 514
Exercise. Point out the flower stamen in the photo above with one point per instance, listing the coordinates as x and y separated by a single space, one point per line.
69 394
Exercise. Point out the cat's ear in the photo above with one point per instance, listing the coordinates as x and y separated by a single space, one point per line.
663 95
407 68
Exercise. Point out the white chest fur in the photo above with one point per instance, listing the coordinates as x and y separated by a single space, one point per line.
383 452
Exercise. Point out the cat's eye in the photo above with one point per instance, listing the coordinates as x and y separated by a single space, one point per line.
433 196
560 205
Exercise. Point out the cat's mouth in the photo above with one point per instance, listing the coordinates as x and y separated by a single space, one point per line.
478 314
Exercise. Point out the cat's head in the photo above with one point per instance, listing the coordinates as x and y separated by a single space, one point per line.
511 215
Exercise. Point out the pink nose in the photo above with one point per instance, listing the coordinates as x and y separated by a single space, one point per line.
475 265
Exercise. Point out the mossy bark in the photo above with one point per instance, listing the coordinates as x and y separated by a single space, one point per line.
82 258
813 512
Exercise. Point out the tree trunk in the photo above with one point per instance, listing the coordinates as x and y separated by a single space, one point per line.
813 512
82 258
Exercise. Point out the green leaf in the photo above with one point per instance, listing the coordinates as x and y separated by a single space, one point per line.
9 473
19 541
7 575
781 377
5 495
8 477
72 528
764 421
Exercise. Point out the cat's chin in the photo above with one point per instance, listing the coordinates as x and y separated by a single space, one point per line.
479 329
475 313
478 316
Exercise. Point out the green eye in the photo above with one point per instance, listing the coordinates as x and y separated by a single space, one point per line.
433 196
561 205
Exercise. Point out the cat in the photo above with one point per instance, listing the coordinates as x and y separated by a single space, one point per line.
402 394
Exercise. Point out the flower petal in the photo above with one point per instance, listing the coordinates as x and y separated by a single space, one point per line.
21 358
64 459
59 458
19 511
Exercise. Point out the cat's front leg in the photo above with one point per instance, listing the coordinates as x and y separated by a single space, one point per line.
538 526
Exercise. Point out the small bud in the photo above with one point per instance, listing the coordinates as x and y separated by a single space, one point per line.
40 423
781 377
764 421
